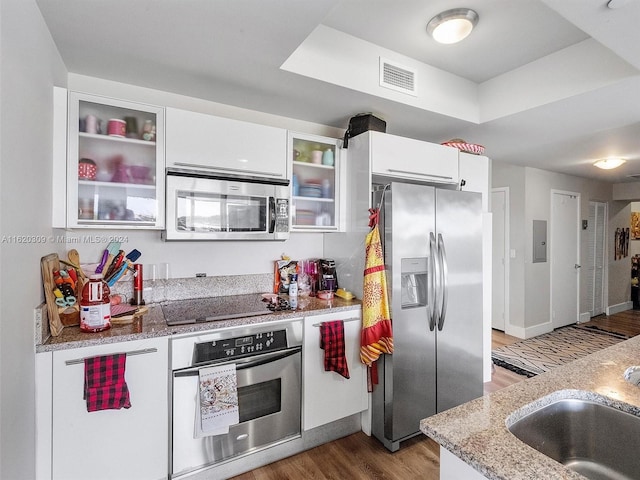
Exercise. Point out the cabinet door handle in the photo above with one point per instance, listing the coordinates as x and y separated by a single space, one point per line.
393 170
132 352
344 321
226 169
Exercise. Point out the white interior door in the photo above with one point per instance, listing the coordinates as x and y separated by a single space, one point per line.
499 281
595 258
565 257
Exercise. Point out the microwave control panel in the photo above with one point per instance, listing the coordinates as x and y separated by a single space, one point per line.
239 347
282 215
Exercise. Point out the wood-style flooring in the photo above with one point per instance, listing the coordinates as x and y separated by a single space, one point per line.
359 457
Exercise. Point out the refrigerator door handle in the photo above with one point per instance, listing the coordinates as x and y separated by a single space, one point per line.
444 282
432 287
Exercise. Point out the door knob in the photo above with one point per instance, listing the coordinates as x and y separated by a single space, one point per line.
576 266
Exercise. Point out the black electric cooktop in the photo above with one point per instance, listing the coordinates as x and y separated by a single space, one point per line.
210 309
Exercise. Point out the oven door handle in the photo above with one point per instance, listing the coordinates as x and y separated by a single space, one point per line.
243 363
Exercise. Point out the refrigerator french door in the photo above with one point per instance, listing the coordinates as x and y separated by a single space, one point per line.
432 242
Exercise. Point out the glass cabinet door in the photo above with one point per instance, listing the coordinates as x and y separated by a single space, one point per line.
314 182
115 176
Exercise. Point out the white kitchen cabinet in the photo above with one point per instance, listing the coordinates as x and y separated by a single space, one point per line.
328 396
115 176
207 142
406 158
315 183
127 444
475 170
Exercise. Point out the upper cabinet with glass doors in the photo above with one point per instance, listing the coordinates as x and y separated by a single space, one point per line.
315 183
115 163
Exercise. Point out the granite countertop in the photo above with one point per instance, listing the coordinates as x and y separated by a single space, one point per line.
476 431
153 324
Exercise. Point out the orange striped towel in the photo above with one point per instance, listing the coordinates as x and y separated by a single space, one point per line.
377 336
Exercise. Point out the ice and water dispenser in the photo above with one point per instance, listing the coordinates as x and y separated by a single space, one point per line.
414 282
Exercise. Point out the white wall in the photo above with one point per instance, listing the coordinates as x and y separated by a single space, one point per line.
503 175
531 200
30 66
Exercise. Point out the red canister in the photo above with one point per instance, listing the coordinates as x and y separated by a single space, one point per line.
137 285
95 305
117 127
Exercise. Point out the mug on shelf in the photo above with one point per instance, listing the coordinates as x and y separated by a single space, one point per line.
87 169
117 127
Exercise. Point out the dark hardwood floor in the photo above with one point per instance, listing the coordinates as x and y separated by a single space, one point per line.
361 457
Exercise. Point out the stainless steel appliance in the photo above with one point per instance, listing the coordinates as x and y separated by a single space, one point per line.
432 241
210 206
268 371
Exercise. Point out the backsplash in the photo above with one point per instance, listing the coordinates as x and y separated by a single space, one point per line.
157 291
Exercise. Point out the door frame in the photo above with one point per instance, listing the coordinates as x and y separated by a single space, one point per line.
507 258
577 195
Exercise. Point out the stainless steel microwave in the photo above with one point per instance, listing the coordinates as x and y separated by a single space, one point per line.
210 206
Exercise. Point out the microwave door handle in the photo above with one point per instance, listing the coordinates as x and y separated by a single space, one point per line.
272 214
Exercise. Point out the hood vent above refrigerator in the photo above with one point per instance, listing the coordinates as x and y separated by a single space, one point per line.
397 77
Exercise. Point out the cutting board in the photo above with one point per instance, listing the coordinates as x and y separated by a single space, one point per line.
59 317
126 319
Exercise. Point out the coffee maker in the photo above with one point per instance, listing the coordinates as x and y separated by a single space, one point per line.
327 275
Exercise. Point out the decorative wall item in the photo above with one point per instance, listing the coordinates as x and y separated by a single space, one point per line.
621 247
635 225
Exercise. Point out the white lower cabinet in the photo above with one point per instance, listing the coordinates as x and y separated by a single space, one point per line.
328 396
125 444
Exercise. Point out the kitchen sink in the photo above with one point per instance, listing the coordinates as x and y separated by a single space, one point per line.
593 439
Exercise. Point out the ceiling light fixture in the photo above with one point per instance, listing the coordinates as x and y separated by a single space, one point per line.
453 25
609 163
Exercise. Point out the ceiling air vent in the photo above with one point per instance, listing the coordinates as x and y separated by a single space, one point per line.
397 77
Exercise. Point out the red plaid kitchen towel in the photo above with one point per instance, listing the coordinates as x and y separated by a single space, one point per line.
104 384
332 342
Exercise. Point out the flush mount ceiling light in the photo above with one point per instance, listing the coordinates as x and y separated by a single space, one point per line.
609 163
453 25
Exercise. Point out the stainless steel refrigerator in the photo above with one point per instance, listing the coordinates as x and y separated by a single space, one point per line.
432 242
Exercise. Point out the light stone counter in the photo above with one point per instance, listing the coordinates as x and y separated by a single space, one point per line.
476 432
153 323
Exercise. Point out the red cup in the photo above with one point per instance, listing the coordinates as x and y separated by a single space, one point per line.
87 169
117 127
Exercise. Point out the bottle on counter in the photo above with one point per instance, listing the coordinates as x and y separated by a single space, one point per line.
95 305
293 290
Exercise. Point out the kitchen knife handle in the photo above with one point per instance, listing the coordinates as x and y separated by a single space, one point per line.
444 283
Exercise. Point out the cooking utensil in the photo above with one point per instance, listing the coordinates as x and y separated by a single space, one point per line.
105 256
113 248
115 264
74 259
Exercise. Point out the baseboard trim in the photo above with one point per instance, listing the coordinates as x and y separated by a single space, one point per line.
620 307
584 317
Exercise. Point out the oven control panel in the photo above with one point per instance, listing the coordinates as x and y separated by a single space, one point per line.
237 347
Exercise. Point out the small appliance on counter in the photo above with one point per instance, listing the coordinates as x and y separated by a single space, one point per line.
327 275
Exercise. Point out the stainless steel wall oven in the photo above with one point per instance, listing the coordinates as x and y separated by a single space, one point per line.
268 371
